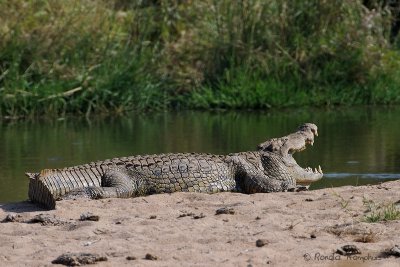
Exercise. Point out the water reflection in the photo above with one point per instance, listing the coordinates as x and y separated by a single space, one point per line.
355 146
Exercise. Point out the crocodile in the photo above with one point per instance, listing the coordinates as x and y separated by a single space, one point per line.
271 168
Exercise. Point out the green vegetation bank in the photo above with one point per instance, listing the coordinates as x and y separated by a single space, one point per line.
100 56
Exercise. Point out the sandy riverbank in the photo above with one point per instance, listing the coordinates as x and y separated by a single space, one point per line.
182 229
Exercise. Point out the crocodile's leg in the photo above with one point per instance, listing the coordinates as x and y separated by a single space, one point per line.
115 182
260 183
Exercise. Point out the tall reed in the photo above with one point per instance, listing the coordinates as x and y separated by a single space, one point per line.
86 57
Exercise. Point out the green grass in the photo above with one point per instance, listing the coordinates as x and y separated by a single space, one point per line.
380 212
85 57
343 202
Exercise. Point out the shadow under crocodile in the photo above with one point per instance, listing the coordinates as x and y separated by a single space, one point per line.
21 207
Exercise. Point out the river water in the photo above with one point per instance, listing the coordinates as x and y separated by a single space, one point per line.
355 145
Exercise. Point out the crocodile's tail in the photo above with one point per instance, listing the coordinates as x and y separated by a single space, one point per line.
39 190
50 185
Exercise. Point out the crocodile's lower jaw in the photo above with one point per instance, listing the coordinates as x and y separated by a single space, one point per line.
310 176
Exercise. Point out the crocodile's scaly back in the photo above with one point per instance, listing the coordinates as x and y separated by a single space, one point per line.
187 172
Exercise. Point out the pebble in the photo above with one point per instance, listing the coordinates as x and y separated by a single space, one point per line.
199 216
88 216
225 210
394 251
150 257
261 242
348 250
46 219
77 259
10 218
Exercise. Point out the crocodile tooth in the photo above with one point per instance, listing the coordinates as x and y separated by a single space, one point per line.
319 169
315 170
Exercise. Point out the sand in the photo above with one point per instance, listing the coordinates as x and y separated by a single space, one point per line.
183 229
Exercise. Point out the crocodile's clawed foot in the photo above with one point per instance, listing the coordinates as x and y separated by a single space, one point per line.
299 188
87 192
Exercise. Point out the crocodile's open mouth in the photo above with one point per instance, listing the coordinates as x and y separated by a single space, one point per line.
296 142
308 175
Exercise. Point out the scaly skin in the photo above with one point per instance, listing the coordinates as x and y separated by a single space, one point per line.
259 171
